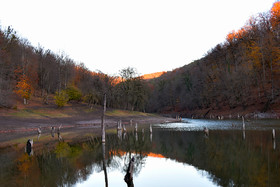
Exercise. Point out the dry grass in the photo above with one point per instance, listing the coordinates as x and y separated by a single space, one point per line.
126 113
38 113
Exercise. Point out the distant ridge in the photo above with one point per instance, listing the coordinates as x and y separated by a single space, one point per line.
144 77
153 75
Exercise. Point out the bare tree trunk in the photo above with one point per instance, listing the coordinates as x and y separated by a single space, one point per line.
47 96
103 120
59 79
263 66
271 78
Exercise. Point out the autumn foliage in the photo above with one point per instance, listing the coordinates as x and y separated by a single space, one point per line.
23 88
153 75
243 71
237 35
275 15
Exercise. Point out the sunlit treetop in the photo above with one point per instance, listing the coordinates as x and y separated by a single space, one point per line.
235 35
275 14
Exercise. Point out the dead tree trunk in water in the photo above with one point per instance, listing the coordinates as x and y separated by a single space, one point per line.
104 165
103 120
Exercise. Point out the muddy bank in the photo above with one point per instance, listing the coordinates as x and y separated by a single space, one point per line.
15 127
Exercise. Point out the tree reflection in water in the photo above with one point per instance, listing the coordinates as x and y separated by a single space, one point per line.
104 165
230 159
128 178
243 134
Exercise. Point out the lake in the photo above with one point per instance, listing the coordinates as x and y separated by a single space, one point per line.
174 154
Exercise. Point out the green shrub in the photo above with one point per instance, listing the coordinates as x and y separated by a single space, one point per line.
61 98
74 94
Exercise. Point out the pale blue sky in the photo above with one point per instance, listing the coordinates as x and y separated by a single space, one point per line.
108 35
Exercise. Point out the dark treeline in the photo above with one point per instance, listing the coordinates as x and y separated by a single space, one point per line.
26 71
241 72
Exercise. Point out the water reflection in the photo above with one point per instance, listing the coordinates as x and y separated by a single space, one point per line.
231 157
206 132
128 178
104 165
29 147
124 135
136 136
274 144
119 134
38 137
199 124
243 134
59 136
52 131
151 133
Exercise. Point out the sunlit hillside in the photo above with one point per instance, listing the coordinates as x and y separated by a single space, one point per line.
153 75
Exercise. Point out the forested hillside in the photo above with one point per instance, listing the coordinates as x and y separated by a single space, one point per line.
27 71
242 73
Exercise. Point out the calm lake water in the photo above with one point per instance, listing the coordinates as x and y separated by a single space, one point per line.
175 154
